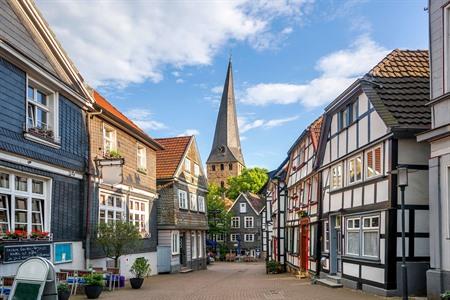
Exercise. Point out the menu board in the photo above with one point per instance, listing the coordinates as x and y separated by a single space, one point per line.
18 253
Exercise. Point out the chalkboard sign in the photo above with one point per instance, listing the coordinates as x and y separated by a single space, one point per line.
27 291
18 253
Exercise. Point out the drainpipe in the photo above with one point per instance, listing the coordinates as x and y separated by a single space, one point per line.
439 242
90 186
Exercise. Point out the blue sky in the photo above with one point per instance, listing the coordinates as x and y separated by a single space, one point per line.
163 63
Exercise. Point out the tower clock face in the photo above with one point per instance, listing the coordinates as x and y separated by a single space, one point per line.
221 149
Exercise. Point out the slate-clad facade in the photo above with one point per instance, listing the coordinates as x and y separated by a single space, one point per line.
438 277
369 131
246 225
43 144
182 211
123 182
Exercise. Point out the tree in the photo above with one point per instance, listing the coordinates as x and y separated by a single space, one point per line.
117 238
250 180
218 218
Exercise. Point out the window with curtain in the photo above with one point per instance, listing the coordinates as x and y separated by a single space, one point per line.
363 236
336 176
373 162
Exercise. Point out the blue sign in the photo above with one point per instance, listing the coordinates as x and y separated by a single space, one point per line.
63 253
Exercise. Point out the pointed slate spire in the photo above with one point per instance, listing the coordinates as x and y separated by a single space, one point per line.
227 145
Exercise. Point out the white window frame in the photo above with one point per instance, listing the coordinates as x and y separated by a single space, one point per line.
112 140
187 165
175 245
326 234
182 199
247 238
243 208
251 220
45 198
200 244
446 36
220 237
193 244
193 202
196 170
141 155
352 228
233 237
52 107
201 204
366 162
370 228
235 220
339 169
114 209
354 161
143 227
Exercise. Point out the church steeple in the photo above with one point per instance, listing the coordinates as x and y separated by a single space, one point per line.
226 147
226 159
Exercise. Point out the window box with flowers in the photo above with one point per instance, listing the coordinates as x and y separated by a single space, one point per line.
40 235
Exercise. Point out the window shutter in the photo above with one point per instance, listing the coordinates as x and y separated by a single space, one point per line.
378 160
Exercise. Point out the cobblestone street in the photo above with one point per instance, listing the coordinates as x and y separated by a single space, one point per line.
231 281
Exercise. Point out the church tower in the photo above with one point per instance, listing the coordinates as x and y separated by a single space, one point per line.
226 159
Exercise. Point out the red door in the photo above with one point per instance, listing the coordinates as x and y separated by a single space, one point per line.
304 247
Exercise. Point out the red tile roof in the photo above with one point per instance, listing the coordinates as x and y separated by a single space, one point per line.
108 107
314 130
403 63
167 160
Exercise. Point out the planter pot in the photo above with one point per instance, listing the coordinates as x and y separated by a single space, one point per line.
93 291
136 283
64 295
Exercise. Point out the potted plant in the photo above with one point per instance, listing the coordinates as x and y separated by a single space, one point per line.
93 285
63 291
139 269
113 154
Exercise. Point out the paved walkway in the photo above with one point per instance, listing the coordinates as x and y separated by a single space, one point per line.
247 281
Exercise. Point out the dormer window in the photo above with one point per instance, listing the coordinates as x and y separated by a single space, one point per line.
41 112
347 116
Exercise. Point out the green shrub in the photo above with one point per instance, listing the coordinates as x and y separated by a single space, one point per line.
94 279
63 287
446 295
140 268
273 266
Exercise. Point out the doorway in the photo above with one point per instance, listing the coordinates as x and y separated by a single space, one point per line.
183 249
335 245
304 246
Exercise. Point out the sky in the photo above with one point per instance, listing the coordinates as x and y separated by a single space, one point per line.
163 63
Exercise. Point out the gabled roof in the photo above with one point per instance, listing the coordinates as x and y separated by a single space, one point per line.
114 113
313 130
255 202
226 146
25 30
168 160
398 88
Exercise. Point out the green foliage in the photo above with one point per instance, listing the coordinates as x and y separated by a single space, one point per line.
94 279
446 295
117 238
250 180
114 154
273 266
63 287
140 268
218 218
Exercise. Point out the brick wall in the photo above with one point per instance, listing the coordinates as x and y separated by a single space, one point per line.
218 175
127 147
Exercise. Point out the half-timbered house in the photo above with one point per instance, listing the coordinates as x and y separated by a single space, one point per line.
302 214
369 131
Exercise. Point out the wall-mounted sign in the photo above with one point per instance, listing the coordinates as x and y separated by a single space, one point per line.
63 253
18 253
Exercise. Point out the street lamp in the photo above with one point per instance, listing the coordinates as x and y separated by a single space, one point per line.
402 180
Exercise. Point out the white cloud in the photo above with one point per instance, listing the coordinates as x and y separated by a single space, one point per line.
337 71
143 119
217 89
179 80
122 42
176 73
245 124
189 132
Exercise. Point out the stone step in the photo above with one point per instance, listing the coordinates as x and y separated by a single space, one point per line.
329 283
334 278
185 270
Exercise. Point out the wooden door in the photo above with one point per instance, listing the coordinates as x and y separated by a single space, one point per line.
304 247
